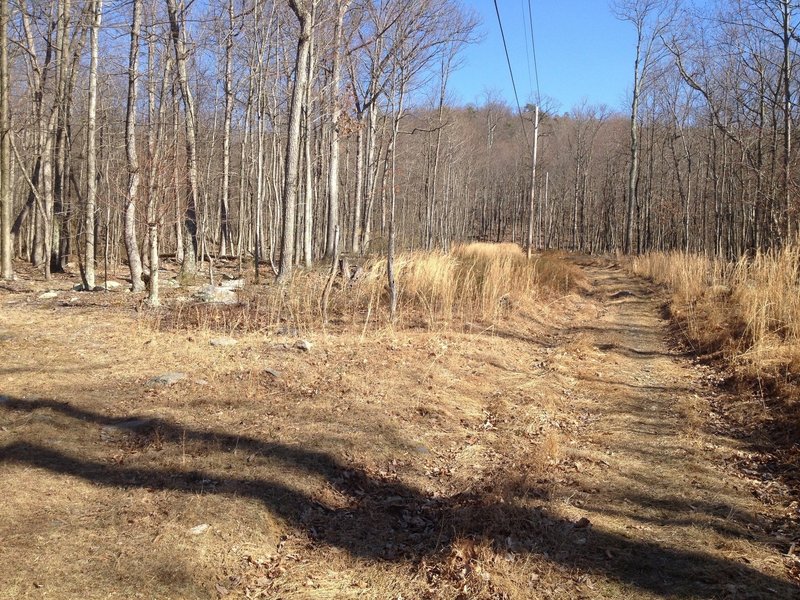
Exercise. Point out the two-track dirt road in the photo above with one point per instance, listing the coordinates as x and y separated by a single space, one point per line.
672 518
576 457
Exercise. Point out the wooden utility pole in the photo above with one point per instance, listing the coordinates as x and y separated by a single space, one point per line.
533 180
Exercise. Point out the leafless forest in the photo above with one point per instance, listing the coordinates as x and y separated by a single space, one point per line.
267 130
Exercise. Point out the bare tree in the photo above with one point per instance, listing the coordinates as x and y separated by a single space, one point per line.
91 148
336 112
6 269
177 28
302 10
131 244
651 18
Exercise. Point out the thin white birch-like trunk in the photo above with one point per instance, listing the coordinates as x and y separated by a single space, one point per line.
91 148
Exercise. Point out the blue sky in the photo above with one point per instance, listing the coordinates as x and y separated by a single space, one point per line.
582 50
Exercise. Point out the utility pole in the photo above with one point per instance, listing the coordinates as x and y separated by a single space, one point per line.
533 180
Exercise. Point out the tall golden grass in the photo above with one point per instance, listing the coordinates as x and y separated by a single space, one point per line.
474 282
748 310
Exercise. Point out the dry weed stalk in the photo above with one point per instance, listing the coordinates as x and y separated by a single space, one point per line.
475 282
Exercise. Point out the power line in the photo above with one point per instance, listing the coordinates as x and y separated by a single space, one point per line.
511 72
533 46
527 49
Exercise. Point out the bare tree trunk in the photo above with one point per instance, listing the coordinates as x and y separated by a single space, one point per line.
224 207
91 148
303 14
155 141
633 172
336 112
131 244
61 164
6 269
390 254
355 244
308 217
189 265
176 177
787 31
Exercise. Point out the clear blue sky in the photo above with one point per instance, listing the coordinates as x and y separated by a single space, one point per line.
582 50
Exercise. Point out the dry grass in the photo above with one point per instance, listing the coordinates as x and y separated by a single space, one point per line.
477 282
401 463
748 310
324 481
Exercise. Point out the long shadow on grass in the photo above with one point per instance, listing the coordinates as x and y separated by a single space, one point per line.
387 520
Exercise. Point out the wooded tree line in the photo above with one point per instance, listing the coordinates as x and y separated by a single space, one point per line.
705 160
270 130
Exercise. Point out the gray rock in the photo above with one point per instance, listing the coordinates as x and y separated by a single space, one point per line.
232 284
111 285
199 529
303 345
166 379
216 295
111 433
272 372
223 341
79 287
48 295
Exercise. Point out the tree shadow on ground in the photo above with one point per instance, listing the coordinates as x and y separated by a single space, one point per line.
384 519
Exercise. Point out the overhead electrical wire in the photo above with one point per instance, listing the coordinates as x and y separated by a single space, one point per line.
527 50
511 72
533 47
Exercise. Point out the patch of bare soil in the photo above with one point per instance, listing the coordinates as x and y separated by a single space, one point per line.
564 453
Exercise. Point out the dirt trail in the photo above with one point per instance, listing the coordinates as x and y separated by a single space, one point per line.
566 451
648 468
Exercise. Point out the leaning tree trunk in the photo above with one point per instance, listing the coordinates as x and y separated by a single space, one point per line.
131 245
303 14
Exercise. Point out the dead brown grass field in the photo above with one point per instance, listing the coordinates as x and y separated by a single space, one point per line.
454 455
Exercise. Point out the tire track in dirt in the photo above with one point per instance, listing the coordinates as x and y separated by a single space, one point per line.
648 473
